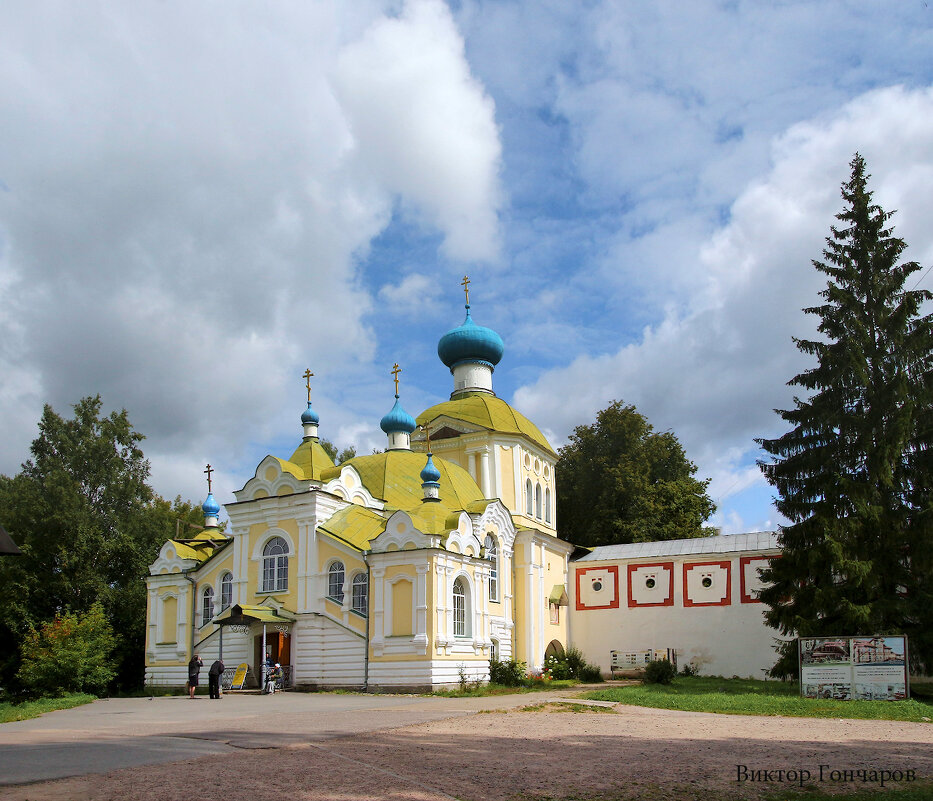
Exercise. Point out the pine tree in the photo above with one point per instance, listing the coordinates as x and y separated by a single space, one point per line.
853 473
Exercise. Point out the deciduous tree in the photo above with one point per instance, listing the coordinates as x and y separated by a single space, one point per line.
619 481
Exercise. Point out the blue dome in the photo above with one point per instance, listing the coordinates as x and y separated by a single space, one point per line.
398 420
210 507
309 415
470 343
430 474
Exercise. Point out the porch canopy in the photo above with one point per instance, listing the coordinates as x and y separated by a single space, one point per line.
240 615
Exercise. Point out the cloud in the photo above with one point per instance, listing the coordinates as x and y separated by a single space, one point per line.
188 190
714 370
415 292
423 125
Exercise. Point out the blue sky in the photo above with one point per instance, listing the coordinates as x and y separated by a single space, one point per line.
200 200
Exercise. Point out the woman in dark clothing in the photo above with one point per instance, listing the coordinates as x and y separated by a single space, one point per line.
194 670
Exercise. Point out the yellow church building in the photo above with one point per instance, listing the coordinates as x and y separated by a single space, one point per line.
405 569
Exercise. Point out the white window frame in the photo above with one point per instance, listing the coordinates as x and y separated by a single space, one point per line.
538 501
547 504
207 605
226 591
334 586
462 627
359 594
275 565
492 554
529 498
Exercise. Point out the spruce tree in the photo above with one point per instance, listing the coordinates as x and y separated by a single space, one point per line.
853 472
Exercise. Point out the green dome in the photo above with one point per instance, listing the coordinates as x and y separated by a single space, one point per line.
489 412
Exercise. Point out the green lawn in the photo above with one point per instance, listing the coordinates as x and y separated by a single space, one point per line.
753 697
32 709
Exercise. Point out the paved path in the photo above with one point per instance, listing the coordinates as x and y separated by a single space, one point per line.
124 732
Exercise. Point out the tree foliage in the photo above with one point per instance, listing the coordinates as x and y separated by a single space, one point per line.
338 457
88 525
853 472
620 481
70 654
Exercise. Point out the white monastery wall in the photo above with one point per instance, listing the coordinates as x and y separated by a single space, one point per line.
703 604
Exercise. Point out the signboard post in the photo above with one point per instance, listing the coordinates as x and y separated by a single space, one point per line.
854 668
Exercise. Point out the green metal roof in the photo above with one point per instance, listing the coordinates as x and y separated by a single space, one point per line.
311 459
355 525
395 477
489 412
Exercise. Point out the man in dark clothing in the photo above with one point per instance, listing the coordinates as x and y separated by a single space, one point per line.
194 670
213 678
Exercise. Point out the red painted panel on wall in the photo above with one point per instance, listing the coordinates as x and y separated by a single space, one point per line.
601 597
725 600
665 566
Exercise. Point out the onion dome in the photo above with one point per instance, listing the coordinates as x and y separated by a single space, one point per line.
397 420
470 342
210 507
430 473
310 416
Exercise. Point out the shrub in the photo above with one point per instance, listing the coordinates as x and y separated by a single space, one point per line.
689 669
508 674
572 665
69 655
660 671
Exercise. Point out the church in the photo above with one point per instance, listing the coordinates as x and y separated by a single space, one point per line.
406 569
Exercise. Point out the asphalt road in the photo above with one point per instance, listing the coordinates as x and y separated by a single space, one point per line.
123 732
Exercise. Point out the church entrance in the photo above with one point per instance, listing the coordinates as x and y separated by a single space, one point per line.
278 646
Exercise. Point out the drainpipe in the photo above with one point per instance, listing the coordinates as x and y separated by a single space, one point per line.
368 608
194 608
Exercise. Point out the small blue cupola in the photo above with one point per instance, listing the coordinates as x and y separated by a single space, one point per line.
471 352
210 507
398 424
431 480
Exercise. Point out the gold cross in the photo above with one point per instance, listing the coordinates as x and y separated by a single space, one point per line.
209 471
395 371
427 436
465 283
308 375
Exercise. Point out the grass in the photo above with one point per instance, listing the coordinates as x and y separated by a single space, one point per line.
32 709
753 697
483 690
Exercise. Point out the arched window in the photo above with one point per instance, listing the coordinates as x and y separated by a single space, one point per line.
461 609
226 591
492 554
538 501
547 504
335 577
494 650
360 595
275 565
207 605
528 498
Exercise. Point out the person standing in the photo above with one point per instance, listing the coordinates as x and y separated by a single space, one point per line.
213 678
194 670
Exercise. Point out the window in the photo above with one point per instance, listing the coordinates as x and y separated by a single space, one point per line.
207 605
275 566
492 554
547 505
360 594
335 582
226 591
538 501
494 651
528 496
460 609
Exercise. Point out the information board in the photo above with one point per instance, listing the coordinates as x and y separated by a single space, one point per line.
239 678
854 668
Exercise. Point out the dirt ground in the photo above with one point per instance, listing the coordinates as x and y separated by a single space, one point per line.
548 752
